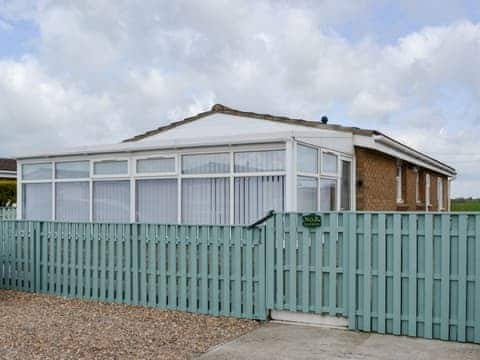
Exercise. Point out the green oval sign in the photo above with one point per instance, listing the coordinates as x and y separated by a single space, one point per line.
312 220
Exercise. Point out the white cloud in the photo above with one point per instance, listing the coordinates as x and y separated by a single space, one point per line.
105 70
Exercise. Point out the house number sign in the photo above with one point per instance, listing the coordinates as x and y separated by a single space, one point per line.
312 220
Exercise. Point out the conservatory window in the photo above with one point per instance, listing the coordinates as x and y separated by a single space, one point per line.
111 201
307 193
329 163
345 196
256 195
72 170
328 194
206 163
72 201
258 161
110 167
156 200
40 171
307 159
37 201
206 201
156 165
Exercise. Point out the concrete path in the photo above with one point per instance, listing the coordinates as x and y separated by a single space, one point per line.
279 341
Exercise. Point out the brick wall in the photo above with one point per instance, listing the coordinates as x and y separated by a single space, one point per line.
376 184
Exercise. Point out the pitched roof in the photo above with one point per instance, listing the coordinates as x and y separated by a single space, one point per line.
222 109
8 164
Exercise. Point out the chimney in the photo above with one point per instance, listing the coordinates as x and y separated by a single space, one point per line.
324 119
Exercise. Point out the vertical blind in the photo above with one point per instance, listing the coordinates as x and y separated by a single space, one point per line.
72 201
307 191
206 201
328 194
37 201
156 201
111 201
256 195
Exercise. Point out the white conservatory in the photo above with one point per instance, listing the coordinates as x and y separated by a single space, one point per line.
219 167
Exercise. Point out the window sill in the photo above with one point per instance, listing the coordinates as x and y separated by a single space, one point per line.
402 206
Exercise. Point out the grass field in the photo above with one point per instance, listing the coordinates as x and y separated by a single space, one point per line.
466 205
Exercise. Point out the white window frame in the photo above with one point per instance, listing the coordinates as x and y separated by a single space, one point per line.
327 176
399 183
440 192
110 176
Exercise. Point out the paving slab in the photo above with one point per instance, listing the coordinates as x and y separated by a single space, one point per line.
285 341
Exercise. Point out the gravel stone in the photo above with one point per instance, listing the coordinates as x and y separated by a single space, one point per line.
38 326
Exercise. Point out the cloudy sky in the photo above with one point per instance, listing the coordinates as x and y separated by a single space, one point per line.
90 72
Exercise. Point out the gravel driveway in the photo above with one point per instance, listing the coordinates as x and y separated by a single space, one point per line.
41 326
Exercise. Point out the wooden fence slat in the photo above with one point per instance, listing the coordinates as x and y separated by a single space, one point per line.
162 266
214 234
477 278
305 269
152 262
332 292
412 279
381 272
193 268
226 271
428 322
462 278
352 318
237 271
367 278
183 268
249 275
269 256
318 270
292 255
279 263
445 291
397 253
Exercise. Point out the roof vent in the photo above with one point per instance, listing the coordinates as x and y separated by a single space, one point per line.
324 119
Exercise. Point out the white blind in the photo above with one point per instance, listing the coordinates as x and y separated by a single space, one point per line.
156 165
111 167
258 161
111 201
72 201
206 163
37 201
307 190
41 171
157 201
256 195
328 195
72 170
307 159
206 201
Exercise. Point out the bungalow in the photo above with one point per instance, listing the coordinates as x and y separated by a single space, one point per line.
226 166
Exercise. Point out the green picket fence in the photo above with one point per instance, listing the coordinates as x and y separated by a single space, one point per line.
8 213
412 274
215 270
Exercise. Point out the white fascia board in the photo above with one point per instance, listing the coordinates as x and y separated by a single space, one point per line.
8 174
130 147
387 146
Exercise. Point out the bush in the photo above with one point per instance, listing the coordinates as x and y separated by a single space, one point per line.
8 192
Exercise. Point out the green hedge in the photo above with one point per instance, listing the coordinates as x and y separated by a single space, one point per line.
8 192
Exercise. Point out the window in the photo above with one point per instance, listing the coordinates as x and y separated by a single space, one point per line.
427 190
307 193
111 201
40 171
417 185
307 159
156 201
345 196
206 201
37 201
258 161
72 170
72 201
256 195
399 183
110 167
440 193
206 163
155 165
328 194
329 163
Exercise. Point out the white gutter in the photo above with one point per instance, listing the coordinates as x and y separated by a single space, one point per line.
413 153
